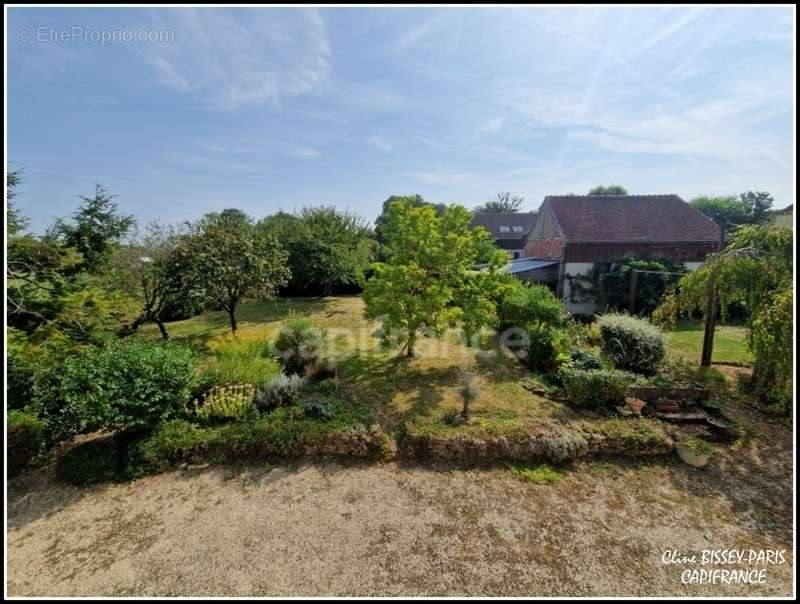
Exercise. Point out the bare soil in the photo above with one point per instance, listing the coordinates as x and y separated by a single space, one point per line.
368 530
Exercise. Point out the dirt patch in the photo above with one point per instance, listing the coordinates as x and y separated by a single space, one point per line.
332 529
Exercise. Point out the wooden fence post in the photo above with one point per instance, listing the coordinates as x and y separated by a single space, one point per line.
632 293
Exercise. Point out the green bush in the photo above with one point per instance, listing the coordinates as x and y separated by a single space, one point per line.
595 388
280 391
530 307
222 403
25 437
632 343
547 349
21 374
131 385
583 359
299 345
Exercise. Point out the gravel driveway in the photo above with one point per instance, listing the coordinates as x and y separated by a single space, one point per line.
333 529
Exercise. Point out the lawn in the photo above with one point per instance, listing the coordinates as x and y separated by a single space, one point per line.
400 390
730 344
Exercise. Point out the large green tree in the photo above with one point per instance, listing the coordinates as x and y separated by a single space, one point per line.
415 200
326 247
730 211
96 228
427 283
232 259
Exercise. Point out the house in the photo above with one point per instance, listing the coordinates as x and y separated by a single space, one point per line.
587 234
510 230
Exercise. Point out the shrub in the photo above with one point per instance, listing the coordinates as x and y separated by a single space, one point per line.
318 408
21 373
536 474
240 359
595 388
547 349
299 345
530 307
632 343
226 402
280 391
25 439
583 359
131 385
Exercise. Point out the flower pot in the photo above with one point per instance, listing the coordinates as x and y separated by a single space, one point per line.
690 457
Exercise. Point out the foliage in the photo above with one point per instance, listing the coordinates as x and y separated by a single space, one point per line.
239 359
280 391
327 248
24 439
729 212
536 474
583 359
430 259
698 446
96 229
146 271
530 307
608 190
299 345
414 200
468 390
223 403
756 271
232 259
632 343
128 386
319 408
502 203
650 286
595 388
548 348
16 222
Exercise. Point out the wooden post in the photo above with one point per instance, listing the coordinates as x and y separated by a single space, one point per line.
632 293
710 323
711 313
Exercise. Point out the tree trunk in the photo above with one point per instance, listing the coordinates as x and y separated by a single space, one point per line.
412 339
162 328
232 316
327 290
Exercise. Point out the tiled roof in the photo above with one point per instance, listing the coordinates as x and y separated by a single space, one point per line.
493 221
630 218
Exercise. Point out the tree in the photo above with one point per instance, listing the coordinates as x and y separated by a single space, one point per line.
232 259
608 190
759 204
326 247
430 259
96 228
146 271
727 211
15 220
755 270
502 203
415 200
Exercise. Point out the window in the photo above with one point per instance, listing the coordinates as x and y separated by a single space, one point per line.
505 229
517 228
516 255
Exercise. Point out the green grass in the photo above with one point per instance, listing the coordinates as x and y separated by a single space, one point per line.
535 474
730 344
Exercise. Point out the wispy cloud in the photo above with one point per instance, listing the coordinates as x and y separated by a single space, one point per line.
234 59
379 142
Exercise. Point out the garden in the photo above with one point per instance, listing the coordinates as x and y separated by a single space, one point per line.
189 348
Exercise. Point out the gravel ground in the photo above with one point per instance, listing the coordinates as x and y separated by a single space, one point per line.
359 530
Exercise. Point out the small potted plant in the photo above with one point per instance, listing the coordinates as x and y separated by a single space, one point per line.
694 451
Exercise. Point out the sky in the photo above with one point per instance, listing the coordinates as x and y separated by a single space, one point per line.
184 111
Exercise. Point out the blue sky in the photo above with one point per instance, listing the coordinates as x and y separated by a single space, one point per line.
267 109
